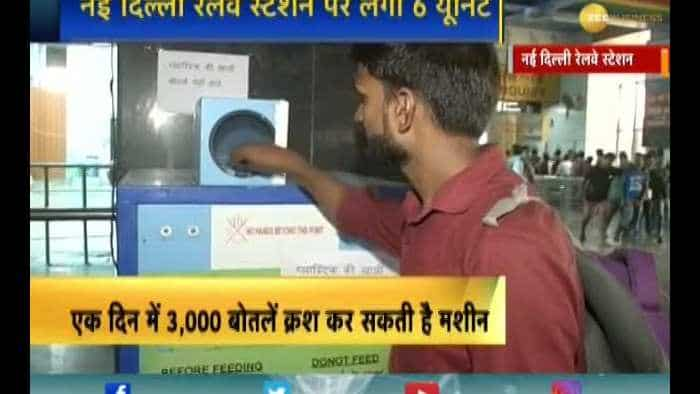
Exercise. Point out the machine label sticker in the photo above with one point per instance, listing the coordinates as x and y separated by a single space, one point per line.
345 361
264 236
339 263
216 369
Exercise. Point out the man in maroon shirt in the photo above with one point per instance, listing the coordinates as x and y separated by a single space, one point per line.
424 108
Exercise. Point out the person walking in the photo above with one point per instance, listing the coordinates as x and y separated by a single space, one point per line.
579 164
634 188
543 167
657 188
556 162
595 189
616 194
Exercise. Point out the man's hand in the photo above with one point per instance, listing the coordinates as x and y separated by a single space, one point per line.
326 191
270 159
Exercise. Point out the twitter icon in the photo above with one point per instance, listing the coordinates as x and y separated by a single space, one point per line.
277 387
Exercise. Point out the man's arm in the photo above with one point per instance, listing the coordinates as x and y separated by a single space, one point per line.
353 211
326 191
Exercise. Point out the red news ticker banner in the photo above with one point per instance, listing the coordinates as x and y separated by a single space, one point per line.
590 59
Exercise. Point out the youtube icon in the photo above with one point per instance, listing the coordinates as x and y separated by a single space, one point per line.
422 388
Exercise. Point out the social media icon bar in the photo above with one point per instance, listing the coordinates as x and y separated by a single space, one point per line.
422 388
567 387
277 387
117 388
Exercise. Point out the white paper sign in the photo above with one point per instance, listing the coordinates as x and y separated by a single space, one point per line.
263 236
339 263
184 77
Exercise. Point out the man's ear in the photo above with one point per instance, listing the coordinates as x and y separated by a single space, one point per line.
405 108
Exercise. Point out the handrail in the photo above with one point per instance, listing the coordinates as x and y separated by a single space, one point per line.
84 214
71 214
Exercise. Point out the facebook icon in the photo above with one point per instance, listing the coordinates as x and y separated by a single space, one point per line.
117 388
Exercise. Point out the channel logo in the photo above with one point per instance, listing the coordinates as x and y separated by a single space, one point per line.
567 387
422 388
117 388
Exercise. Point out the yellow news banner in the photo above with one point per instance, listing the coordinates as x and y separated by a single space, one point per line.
268 311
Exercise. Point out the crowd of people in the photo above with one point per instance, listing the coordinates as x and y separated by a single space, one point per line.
528 163
637 190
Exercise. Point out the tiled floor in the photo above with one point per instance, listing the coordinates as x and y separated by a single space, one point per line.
74 359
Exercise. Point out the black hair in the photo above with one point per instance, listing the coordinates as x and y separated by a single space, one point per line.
599 152
459 82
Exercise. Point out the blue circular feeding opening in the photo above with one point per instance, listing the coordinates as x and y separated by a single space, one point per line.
235 129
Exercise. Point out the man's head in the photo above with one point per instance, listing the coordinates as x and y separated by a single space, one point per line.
599 153
608 159
652 159
412 94
624 161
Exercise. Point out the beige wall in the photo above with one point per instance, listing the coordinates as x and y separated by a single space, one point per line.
611 99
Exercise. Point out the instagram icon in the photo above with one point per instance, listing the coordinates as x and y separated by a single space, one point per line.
567 387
